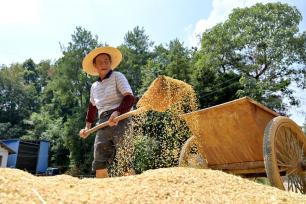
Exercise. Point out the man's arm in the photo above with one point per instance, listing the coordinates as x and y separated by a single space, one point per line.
125 106
90 118
126 103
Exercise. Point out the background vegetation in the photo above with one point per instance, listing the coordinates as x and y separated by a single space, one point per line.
257 52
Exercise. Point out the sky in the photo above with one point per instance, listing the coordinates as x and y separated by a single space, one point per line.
36 28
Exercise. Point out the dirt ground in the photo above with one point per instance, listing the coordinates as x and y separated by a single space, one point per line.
169 185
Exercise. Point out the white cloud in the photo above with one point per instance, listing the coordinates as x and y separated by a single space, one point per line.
220 11
19 12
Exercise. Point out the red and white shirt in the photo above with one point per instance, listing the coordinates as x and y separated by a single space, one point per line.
107 94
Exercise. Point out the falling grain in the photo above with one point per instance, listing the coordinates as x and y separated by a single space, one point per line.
159 132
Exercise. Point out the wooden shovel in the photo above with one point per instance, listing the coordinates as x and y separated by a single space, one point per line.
118 118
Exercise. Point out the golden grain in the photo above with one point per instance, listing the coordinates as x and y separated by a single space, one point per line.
168 95
167 185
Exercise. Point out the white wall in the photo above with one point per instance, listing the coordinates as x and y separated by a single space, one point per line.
4 154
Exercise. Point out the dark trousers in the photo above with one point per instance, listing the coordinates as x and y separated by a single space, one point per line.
107 141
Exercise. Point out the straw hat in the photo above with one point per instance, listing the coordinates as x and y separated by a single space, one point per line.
88 65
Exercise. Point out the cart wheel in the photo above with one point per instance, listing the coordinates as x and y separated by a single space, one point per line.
190 156
284 154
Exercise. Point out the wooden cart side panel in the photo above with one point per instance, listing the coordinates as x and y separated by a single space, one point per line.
239 166
232 133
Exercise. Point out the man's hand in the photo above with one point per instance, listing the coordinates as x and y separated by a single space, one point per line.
112 121
83 133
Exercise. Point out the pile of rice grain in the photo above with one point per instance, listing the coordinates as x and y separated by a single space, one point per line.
169 185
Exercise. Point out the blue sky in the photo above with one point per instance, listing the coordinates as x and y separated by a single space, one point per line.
34 28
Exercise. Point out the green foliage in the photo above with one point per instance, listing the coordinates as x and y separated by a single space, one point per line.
21 86
70 84
81 154
67 96
136 52
257 52
144 153
155 66
8 131
18 98
179 61
49 102
43 126
212 87
173 61
263 180
261 44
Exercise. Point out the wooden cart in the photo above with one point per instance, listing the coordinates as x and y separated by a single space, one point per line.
245 138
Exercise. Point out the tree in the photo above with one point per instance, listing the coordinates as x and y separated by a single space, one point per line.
213 83
155 66
45 72
67 97
17 100
43 126
136 52
179 61
70 85
262 47
172 61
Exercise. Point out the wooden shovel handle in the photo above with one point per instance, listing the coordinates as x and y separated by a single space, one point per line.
120 117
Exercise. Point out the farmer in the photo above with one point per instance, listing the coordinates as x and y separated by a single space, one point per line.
111 95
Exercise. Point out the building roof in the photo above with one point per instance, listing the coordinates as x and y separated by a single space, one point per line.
7 148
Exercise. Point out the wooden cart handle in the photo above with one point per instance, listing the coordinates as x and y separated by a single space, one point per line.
120 117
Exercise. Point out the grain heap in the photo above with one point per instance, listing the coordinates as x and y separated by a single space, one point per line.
169 185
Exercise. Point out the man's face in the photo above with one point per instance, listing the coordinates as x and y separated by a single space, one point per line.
102 63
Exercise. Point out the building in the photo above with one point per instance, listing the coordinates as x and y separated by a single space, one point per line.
5 151
31 156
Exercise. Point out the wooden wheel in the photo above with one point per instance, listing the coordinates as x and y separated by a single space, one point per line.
190 156
284 154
